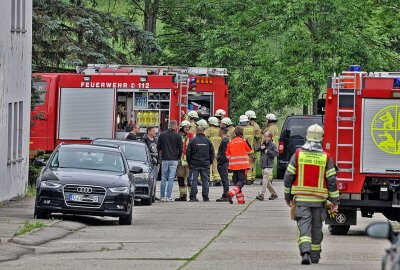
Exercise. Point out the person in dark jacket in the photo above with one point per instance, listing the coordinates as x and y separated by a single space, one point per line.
134 135
151 141
199 155
170 147
268 153
223 163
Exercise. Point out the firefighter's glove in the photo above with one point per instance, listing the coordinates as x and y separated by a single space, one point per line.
331 209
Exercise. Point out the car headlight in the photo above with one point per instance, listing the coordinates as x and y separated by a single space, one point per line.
120 189
50 184
141 175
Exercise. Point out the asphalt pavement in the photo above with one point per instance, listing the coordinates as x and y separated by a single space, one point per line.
196 235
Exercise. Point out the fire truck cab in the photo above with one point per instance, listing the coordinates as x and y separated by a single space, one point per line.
103 101
362 135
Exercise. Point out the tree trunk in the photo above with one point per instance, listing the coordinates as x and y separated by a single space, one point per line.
150 14
317 91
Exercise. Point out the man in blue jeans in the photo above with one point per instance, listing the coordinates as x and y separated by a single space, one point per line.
170 147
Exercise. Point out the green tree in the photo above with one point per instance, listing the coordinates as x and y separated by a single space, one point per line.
74 32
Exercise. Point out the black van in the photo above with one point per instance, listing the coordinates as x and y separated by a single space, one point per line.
293 136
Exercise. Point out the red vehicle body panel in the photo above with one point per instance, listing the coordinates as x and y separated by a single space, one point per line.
374 88
44 130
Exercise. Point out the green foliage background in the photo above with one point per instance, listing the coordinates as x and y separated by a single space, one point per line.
279 53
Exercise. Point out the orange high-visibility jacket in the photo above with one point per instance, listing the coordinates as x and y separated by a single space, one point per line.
237 154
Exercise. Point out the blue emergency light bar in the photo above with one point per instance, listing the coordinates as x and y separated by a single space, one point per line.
193 80
396 83
355 68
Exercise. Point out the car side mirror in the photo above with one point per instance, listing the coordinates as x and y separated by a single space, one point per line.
321 106
135 170
39 162
380 230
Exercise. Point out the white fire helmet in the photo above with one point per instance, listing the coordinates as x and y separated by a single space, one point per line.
243 120
193 114
226 121
184 123
315 133
271 117
220 113
202 123
251 115
213 121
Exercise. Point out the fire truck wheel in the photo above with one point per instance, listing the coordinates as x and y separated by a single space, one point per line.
393 216
339 229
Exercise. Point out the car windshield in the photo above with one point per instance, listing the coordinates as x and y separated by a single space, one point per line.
298 126
132 151
89 159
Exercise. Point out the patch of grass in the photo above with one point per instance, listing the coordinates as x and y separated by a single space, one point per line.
30 191
30 226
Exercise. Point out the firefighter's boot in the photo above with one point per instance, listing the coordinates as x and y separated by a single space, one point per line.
182 198
240 198
260 197
232 193
305 258
224 198
315 256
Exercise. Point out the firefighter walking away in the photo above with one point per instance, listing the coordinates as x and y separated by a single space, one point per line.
310 180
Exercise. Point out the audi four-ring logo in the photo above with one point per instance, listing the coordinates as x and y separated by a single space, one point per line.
84 189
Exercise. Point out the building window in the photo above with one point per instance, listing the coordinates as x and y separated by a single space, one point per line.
15 131
10 117
18 16
20 126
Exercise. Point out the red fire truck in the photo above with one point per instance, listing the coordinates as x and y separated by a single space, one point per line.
102 101
362 134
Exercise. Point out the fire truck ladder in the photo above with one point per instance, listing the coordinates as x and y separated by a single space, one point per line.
345 86
182 83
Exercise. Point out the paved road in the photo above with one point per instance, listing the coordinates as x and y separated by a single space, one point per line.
258 235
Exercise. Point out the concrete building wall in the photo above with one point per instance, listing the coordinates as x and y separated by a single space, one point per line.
15 89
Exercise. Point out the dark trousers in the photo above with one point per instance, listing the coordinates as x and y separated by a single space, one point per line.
309 223
239 178
205 180
223 173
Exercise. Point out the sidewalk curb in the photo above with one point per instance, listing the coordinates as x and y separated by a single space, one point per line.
53 232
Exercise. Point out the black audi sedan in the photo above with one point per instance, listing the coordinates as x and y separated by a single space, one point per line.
86 180
139 159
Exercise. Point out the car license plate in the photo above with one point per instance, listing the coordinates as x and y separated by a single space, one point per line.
82 198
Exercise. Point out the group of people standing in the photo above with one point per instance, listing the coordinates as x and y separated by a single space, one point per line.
214 152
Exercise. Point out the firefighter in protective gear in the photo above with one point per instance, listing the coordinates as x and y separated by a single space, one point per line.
309 181
193 117
249 135
227 123
237 154
202 123
272 126
220 113
257 140
213 134
182 171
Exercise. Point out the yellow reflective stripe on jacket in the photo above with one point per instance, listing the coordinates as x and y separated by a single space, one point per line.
301 175
239 157
304 198
330 172
286 190
291 169
334 194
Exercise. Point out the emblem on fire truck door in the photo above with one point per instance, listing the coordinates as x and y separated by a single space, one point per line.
385 129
